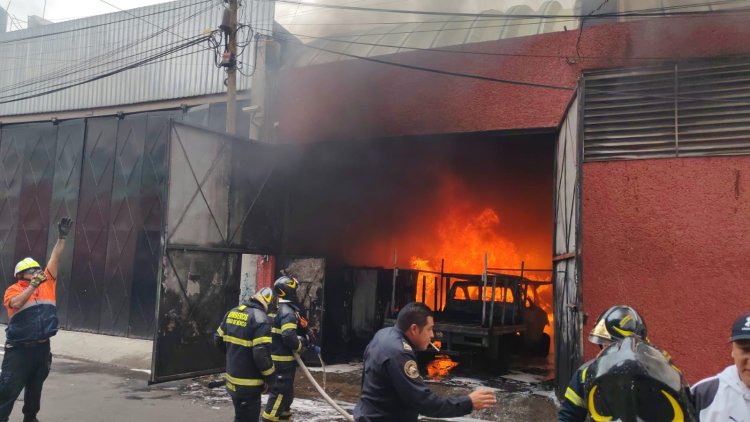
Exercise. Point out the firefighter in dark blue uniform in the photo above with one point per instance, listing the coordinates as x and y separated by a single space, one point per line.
634 381
245 336
613 326
289 336
392 387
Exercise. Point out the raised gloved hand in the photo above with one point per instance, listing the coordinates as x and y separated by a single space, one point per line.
63 227
39 278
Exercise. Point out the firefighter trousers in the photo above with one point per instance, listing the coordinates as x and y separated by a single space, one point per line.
280 397
23 368
246 409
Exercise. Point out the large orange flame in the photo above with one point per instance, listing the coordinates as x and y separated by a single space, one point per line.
462 239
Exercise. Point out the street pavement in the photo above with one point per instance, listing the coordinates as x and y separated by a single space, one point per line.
91 392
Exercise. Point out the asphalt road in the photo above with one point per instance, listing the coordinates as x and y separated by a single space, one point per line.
86 392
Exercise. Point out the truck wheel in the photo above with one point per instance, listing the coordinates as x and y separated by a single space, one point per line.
541 348
500 362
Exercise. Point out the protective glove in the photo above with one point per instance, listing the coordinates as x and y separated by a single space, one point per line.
39 278
63 227
315 349
304 342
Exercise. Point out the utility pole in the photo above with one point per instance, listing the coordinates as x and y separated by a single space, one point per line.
232 70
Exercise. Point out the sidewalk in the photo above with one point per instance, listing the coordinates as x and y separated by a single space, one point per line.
109 350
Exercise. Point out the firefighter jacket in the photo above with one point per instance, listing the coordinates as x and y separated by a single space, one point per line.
37 318
245 335
392 388
286 326
573 408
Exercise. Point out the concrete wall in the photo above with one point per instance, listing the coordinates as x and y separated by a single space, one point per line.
671 238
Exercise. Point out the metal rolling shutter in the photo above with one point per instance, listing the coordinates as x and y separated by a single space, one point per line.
684 110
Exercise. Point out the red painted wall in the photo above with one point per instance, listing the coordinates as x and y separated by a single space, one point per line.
357 99
672 238
264 277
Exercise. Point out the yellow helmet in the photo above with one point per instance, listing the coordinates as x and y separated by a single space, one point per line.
264 296
25 264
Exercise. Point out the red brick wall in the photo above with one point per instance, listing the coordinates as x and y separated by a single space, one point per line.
671 238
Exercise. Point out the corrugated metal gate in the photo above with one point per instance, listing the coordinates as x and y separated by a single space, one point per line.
566 262
220 205
106 174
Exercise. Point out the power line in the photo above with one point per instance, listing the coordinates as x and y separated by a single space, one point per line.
621 93
473 52
431 70
31 37
110 73
637 13
160 49
86 65
138 17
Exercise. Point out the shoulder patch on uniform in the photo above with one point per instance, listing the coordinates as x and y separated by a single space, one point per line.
407 347
411 370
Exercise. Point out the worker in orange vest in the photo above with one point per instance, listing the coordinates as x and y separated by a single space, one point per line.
32 315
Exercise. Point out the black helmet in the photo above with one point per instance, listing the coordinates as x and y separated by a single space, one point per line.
264 296
634 381
286 288
617 323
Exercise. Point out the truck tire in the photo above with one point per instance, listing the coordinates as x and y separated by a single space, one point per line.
541 348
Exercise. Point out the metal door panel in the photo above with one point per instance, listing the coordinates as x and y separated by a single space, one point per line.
197 289
92 225
210 201
124 225
566 263
38 167
64 203
11 153
148 246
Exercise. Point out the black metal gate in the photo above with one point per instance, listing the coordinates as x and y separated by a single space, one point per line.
107 174
566 262
220 205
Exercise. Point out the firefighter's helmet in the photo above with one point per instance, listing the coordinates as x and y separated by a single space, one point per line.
285 287
264 296
634 381
617 323
26 264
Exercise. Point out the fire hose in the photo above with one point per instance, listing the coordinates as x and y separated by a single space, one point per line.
322 392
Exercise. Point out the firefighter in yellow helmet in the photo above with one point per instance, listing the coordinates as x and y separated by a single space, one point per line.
32 314
289 336
245 336
613 325
633 381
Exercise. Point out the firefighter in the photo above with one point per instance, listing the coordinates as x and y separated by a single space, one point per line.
245 336
392 387
634 381
289 335
612 326
32 314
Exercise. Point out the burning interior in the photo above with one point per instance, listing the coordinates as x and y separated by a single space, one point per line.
447 221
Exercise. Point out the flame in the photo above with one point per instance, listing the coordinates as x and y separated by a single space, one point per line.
462 239
440 367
